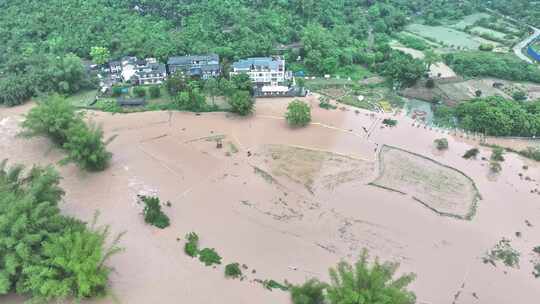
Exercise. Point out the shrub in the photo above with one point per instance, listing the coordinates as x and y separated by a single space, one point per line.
389 122
191 247
209 257
311 292
298 113
233 270
519 95
430 83
271 284
152 212
497 154
241 102
139 91
325 104
503 252
495 166
472 153
486 47
441 143
155 91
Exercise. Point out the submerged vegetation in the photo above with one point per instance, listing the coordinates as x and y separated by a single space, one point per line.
58 120
152 212
298 113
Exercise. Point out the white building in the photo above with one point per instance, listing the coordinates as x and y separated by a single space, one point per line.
263 70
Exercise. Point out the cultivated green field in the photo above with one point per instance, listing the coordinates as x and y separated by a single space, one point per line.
445 35
469 20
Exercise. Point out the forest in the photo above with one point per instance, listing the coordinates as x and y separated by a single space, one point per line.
40 54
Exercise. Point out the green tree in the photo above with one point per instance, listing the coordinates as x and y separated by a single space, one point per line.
100 55
139 91
298 113
155 91
311 292
73 265
57 119
365 283
86 148
241 102
430 58
211 87
43 254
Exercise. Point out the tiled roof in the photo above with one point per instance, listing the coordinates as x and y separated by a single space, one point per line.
264 62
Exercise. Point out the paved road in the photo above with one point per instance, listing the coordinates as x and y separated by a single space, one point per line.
518 49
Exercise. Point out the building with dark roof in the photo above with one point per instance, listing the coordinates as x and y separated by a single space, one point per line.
149 71
201 66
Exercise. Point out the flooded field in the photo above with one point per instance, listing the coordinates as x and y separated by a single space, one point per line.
290 203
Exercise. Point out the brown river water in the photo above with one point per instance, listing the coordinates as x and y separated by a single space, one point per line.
280 230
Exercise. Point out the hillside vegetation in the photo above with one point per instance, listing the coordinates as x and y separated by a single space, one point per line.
42 42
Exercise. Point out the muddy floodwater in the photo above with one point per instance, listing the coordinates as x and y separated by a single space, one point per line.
290 203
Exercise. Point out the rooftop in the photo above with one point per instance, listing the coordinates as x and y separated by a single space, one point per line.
183 60
265 62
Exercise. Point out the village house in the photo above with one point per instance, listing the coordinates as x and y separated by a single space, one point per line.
149 71
268 75
136 71
199 66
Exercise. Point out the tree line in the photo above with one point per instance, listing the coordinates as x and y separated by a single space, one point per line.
495 116
43 42
58 120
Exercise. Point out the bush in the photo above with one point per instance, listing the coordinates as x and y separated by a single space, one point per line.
441 143
209 257
191 247
472 153
298 113
233 271
486 47
241 102
519 95
272 284
497 154
311 292
139 91
389 122
152 212
503 252
155 91
495 166
430 83
325 104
